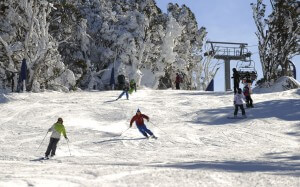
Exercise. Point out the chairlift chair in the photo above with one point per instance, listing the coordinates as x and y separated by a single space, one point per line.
247 73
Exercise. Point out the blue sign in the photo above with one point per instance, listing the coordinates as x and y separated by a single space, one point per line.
23 73
112 77
210 87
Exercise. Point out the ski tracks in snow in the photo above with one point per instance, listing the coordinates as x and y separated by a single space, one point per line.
196 144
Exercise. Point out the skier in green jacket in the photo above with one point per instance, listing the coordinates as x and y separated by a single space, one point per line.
132 86
57 129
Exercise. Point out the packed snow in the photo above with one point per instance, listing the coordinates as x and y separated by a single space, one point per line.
282 84
197 145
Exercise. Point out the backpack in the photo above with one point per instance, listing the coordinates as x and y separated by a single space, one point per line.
246 91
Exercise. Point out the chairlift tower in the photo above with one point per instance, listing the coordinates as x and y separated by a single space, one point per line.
228 51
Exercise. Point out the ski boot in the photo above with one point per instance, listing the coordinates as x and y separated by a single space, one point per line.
153 137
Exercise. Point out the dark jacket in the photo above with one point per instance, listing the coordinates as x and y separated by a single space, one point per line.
246 91
126 87
236 76
178 79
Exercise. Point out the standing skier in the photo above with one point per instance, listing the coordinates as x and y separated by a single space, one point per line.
236 80
238 102
132 86
139 121
178 81
247 94
57 129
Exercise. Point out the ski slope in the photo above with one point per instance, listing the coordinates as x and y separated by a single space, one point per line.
197 145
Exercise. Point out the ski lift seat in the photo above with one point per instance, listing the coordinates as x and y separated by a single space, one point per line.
247 72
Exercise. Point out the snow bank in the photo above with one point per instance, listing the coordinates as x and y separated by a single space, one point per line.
282 84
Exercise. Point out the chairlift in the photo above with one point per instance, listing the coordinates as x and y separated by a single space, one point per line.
247 72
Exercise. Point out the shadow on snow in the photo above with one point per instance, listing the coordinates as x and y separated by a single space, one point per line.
208 93
3 98
118 139
282 109
282 168
296 131
283 156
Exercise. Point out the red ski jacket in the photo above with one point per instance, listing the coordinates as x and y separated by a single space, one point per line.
139 119
178 79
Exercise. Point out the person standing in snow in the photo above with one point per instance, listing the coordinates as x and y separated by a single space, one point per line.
139 121
132 86
247 94
125 91
178 81
57 129
236 80
238 102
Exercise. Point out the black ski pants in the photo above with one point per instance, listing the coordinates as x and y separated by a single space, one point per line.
236 86
52 147
177 86
237 108
249 101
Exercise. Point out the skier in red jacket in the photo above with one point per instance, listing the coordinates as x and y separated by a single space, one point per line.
178 81
139 121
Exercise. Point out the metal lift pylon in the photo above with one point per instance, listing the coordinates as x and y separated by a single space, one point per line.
228 51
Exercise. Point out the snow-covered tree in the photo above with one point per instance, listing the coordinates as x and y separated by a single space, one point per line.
278 36
24 34
89 37
189 45
167 55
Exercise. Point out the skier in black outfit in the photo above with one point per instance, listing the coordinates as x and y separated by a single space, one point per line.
125 91
236 80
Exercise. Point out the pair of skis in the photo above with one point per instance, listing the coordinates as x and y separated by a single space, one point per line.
42 159
236 117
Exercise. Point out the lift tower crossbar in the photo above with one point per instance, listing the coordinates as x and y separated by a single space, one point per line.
228 51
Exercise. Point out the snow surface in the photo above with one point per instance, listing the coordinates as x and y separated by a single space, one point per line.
282 84
197 145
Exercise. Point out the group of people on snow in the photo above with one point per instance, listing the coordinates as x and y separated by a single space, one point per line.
241 95
58 128
128 88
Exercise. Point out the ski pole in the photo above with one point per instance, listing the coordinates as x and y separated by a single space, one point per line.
163 132
124 131
158 127
68 146
42 141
